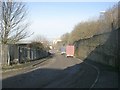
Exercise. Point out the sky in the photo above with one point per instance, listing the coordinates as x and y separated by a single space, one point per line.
53 19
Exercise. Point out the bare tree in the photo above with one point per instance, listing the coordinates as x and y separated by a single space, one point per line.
41 39
0 18
13 25
13 21
65 38
106 23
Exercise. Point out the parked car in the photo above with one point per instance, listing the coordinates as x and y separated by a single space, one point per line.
63 50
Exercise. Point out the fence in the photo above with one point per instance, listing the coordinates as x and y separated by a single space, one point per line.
15 53
26 54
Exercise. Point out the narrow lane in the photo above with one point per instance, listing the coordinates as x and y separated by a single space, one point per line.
59 72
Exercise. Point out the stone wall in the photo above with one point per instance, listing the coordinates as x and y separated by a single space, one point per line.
101 48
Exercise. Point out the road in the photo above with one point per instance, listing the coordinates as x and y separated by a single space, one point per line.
58 72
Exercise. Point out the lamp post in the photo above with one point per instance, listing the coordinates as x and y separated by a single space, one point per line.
102 13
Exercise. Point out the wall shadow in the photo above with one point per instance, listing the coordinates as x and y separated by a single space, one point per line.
43 77
105 51
108 53
53 78
106 58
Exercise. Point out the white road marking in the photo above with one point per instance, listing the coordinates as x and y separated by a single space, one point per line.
44 66
98 71
32 70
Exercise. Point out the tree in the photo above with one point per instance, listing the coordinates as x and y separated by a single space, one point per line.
105 23
13 21
0 17
41 39
37 45
65 38
13 25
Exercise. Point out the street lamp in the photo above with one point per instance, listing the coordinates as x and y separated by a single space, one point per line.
102 13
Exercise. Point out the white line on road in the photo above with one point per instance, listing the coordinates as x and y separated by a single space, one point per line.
39 67
98 71
32 70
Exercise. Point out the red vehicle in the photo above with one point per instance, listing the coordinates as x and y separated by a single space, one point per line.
69 51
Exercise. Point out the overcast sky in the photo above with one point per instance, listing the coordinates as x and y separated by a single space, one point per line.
52 19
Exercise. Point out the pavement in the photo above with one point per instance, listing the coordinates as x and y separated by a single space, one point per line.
29 66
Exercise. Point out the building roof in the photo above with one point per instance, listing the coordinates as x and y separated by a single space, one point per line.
23 42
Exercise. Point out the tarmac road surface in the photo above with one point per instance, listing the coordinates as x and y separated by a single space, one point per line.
58 72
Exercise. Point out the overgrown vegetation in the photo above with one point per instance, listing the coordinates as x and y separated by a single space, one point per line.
106 22
96 40
37 45
40 42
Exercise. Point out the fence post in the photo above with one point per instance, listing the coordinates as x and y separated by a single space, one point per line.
4 54
28 53
8 56
32 54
